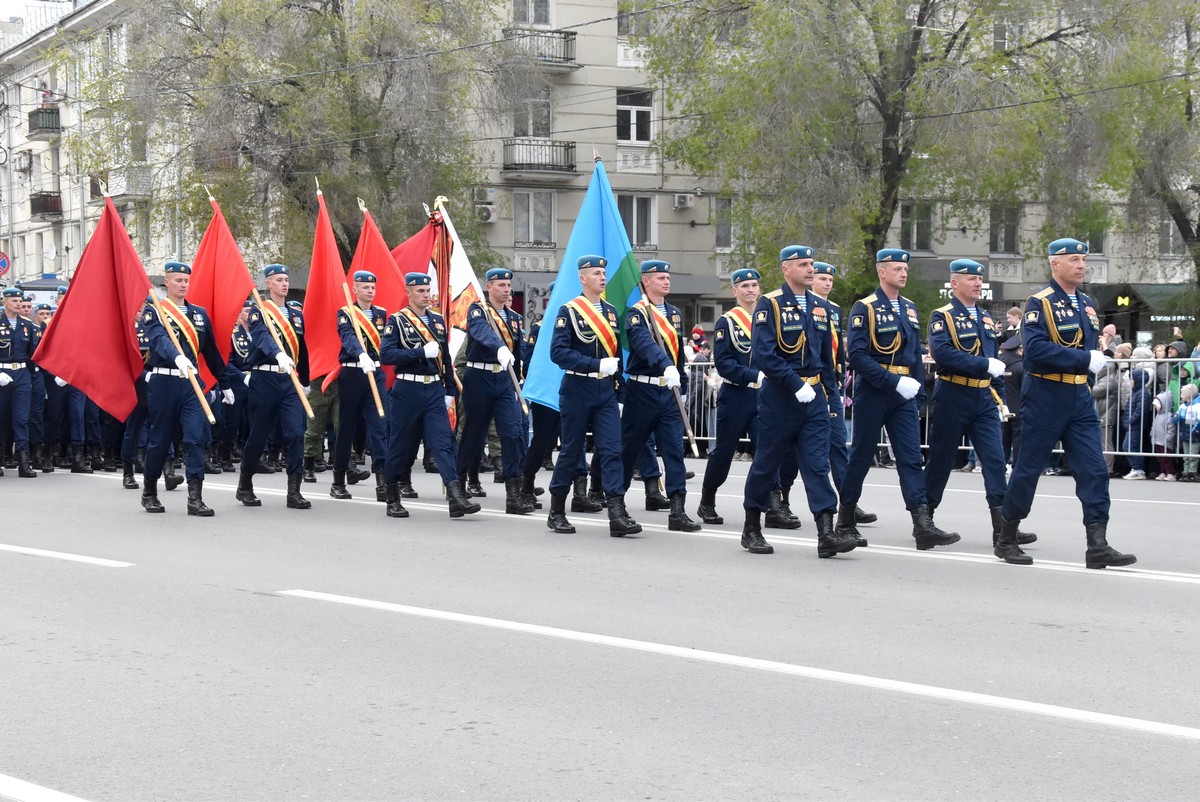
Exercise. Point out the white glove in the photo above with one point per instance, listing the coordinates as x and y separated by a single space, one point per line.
608 366
995 368
620 409
908 387
284 361
227 397
671 374
1098 361
5 380
762 378
805 394
683 399
246 379
365 363
307 390
505 357
449 399
184 364
431 349
60 382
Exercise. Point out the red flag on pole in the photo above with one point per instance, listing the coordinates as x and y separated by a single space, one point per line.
91 342
413 255
372 255
220 283
323 298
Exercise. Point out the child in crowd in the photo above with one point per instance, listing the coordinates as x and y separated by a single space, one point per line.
1188 418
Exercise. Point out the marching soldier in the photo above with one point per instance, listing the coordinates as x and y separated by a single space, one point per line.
231 424
272 397
1060 337
415 341
170 398
885 354
131 439
793 347
587 345
654 330
18 339
39 314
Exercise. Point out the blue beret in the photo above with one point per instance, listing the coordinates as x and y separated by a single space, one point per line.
498 274
417 279
825 267
12 292
182 268
27 297
744 274
796 252
1067 245
275 270
293 304
62 289
591 261
249 304
655 266
364 275
42 308
968 266
891 255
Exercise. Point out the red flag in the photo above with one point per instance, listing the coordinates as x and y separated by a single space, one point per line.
91 342
372 255
323 298
413 255
220 283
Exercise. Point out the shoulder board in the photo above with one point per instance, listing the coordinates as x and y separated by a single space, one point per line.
866 300
1045 292
774 293
946 308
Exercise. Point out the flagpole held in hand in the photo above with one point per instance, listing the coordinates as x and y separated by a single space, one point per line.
362 343
687 427
512 374
279 344
162 316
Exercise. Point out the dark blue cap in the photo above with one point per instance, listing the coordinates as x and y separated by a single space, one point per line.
249 304
27 297
62 289
744 274
796 252
966 266
417 279
655 266
892 255
498 274
275 270
12 292
364 275
182 268
825 268
1067 245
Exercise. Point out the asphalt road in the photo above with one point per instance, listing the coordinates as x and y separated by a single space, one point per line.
336 654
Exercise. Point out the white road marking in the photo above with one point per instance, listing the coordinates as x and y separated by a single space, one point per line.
12 788
61 555
862 680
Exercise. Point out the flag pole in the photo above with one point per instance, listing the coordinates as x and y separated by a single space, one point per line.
190 374
362 344
654 332
442 261
279 344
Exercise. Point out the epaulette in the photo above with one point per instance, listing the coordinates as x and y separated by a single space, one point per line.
866 300
946 308
1044 292
774 293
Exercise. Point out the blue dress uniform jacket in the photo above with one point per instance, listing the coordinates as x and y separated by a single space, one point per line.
133 438
233 414
1057 404
839 456
883 345
963 400
416 403
737 400
793 346
488 392
272 399
586 400
18 340
356 405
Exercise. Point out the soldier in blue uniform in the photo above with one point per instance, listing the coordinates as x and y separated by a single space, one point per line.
793 347
1060 336
737 400
356 403
415 341
587 345
39 314
131 439
654 330
273 399
487 389
170 398
235 413
18 339
966 399
884 350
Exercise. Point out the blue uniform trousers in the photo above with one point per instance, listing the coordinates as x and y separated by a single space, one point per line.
132 440
874 410
416 409
486 394
37 405
585 404
648 409
356 407
14 402
273 401
547 427
170 400
737 414
54 422
956 411
1053 411
85 417
839 454
235 415
799 429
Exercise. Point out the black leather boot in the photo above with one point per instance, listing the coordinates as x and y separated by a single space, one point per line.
211 466
460 503
428 464
596 493
473 487
24 467
785 505
381 488
356 475
846 524
776 517
150 502
45 455
171 479
926 533
79 463
655 500
127 480
514 501
707 511
557 519
406 488
579 497
1023 538
1099 553
97 456
391 496
296 501
338 488
530 491
245 488
619 522
677 519
861 516
225 460
195 502
829 540
310 473
1004 543
752 536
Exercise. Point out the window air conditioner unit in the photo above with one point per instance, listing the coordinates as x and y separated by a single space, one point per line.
486 212
23 161
485 194
684 200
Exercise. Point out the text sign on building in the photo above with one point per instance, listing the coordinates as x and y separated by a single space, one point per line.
986 295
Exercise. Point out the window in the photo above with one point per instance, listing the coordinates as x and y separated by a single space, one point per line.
724 223
1095 240
531 12
533 218
532 116
638 213
635 109
630 21
1006 35
1170 241
1006 218
916 226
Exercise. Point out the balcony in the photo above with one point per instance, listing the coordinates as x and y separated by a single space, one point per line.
534 159
45 205
554 50
44 125
125 184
